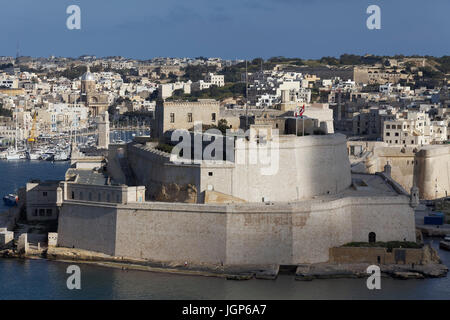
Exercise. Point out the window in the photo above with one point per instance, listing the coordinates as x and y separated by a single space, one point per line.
99 197
49 212
81 195
388 126
189 117
44 193
396 134
388 134
41 212
35 212
172 117
372 237
213 117
90 196
210 174
73 195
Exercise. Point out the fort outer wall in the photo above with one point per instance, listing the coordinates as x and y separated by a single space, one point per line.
306 167
432 172
402 164
238 234
428 167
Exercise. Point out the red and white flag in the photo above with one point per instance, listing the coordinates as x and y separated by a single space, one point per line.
299 111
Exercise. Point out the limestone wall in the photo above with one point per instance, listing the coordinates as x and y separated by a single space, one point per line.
371 255
432 172
285 233
153 170
291 168
176 234
402 164
91 227
307 166
428 168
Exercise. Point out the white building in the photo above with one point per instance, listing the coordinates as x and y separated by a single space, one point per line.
215 79
413 128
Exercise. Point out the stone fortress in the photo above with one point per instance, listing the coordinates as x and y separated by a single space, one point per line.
288 211
425 167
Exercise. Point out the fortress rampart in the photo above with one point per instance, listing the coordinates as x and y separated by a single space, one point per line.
428 167
297 168
280 233
432 172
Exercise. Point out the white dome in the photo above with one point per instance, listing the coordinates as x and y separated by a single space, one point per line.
88 76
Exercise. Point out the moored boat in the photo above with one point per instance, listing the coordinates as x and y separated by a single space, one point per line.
10 199
445 245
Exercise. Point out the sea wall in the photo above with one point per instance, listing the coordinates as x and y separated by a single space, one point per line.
283 233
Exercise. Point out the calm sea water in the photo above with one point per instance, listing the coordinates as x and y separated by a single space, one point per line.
40 279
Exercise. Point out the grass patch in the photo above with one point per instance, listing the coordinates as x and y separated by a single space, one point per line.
164 147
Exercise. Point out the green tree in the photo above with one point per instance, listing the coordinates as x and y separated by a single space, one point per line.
5 112
173 76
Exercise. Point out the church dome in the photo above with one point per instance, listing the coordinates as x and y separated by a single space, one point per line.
88 76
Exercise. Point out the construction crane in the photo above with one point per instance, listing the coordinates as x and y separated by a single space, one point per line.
32 137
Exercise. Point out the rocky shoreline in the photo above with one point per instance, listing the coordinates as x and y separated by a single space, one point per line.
304 272
358 270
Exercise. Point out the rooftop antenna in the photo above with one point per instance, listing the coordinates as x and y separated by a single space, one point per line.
262 70
17 51
246 96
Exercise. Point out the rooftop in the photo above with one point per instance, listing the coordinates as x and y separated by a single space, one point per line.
87 177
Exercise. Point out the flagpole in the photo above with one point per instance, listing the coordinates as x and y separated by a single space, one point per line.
303 118
303 125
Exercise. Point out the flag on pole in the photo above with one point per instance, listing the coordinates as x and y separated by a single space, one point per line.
299 111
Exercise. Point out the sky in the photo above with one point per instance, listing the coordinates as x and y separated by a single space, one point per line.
230 29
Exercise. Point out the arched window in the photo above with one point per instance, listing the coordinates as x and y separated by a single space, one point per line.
372 237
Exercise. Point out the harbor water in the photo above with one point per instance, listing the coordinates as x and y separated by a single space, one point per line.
42 279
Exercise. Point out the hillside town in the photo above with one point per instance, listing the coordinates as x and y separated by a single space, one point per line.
401 101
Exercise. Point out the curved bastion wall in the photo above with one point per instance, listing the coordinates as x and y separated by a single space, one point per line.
238 234
306 167
432 172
